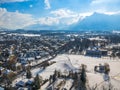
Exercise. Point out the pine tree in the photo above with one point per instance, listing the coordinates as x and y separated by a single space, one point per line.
37 82
54 78
28 74
83 75
55 72
50 78
75 76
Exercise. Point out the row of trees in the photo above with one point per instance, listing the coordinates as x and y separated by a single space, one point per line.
77 45
79 78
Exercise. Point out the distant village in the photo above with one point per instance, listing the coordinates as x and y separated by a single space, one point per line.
20 53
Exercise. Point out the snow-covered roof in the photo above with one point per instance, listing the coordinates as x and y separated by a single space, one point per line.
21 83
113 45
97 39
7 71
1 88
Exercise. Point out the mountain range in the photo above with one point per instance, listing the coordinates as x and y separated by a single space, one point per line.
98 21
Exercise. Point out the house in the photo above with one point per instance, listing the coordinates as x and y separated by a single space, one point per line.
24 83
6 71
20 84
37 54
30 56
96 53
104 52
22 88
29 82
23 61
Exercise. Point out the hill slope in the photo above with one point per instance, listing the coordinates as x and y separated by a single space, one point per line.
98 21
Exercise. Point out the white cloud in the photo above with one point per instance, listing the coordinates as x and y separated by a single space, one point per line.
62 13
68 17
108 5
48 21
15 20
63 17
47 4
104 1
110 13
8 1
79 17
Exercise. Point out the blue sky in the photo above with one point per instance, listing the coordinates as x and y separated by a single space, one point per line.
15 14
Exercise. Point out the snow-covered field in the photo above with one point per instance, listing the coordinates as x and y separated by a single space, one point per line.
97 78
65 63
26 35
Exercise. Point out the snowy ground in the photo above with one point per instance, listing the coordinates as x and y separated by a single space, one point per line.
94 78
65 63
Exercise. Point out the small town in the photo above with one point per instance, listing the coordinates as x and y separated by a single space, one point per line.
59 44
59 60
